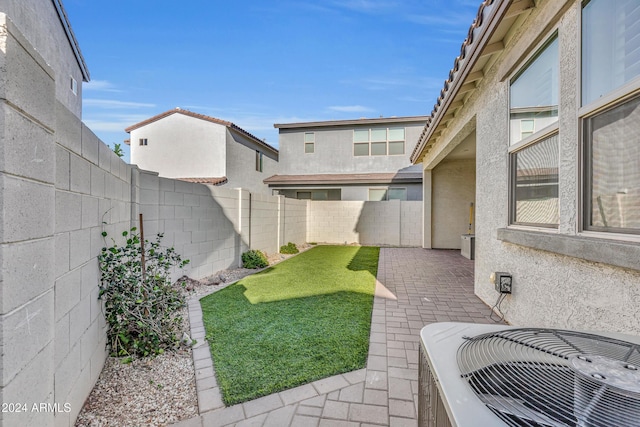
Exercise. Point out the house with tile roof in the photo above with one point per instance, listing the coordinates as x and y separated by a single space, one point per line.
198 148
361 159
541 115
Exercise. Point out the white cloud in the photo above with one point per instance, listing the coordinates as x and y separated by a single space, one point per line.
100 86
112 123
351 108
113 104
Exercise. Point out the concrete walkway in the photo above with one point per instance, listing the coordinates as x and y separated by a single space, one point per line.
415 287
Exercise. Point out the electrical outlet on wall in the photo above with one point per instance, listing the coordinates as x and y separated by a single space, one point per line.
502 282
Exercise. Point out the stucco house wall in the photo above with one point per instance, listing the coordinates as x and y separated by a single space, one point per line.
42 28
180 146
334 150
562 278
333 153
453 190
241 168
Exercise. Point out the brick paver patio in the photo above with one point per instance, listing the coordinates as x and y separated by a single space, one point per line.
416 287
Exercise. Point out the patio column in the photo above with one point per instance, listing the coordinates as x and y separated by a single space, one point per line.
426 210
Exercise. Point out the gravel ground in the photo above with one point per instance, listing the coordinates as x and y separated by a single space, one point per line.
154 391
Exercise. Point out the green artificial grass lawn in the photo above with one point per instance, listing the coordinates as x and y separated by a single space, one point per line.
301 320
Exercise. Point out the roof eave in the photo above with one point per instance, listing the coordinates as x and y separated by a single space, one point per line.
273 181
62 14
361 121
458 78
227 124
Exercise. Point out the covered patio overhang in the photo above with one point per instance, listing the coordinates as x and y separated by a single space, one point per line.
447 146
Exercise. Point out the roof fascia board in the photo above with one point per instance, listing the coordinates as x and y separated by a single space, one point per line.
62 14
274 181
240 131
346 182
410 119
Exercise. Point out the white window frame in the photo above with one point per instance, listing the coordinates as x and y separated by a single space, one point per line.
614 98
143 142
74 85
537 137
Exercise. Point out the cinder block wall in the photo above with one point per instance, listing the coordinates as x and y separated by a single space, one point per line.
392 223
411 224
264 222
294 224
27 199
200 222
60 187
92 195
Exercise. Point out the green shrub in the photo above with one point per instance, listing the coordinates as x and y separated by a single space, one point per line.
289 248
140 309
254 259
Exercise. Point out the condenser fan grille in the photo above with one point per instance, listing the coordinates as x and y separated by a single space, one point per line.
545 377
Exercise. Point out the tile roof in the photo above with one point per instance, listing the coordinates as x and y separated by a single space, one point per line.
346 178
178 110
470 44
213 181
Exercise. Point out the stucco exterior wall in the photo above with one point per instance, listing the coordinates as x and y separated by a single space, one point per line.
334 151
453 190
357 192
181 146
241 164
366 223
549 289
38 22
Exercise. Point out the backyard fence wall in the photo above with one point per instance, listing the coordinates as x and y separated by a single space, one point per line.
213 226
58 184
392 223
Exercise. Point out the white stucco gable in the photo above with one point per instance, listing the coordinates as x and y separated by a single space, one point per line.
179 146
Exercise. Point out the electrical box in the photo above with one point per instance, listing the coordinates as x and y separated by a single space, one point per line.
502 282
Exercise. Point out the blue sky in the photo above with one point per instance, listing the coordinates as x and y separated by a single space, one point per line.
256 63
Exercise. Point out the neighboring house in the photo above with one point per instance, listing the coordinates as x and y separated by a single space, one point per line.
362 159
541 116
197 148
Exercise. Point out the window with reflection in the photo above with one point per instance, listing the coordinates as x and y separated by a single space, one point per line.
534 94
